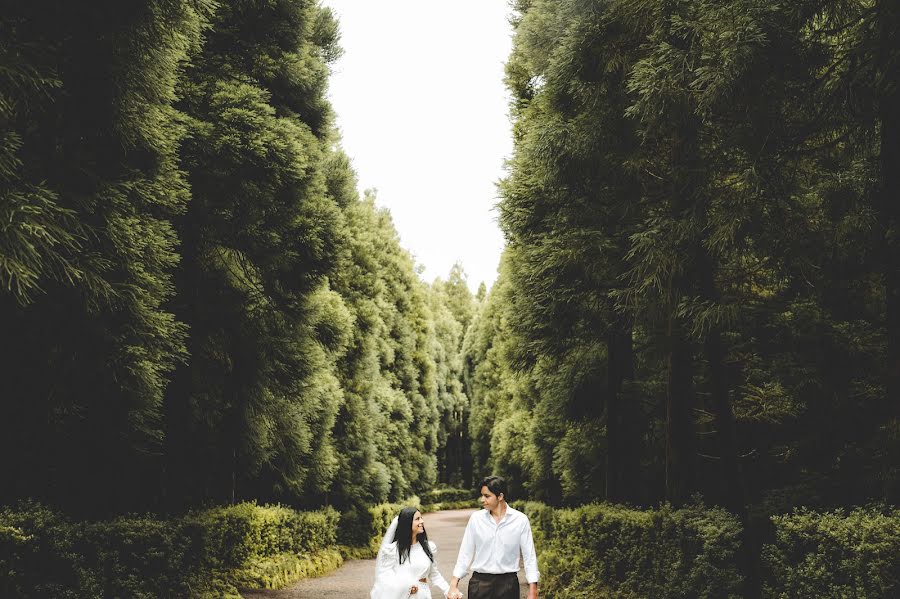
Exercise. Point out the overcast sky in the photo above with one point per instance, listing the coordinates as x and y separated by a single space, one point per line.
421 105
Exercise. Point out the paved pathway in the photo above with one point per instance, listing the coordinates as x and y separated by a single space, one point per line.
353 580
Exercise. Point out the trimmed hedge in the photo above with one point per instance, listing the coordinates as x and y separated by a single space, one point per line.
452 505
541 517
282 569
232 536
362 529
205 554
834 554
41 556
449 495
604 550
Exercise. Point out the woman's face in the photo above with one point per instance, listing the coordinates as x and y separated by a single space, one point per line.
418 525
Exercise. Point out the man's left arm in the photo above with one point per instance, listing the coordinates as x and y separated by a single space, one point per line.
529 556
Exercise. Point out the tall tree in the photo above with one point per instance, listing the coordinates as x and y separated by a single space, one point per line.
253 407
91 184
452 308
388 426
567 212
700 174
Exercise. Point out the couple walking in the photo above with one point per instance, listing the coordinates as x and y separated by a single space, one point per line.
493 539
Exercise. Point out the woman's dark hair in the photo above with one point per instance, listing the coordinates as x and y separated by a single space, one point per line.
495 485
403 535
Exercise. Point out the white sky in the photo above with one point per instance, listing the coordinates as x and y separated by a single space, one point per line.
422 108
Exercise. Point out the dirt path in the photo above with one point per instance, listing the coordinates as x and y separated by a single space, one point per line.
353 580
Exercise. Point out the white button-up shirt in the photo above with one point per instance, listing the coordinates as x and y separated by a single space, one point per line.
493 548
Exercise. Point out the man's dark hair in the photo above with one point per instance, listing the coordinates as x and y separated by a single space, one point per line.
495 485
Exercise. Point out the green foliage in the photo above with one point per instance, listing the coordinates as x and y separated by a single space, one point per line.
204 310
202 554
40 556
246 531
447 494
90 186
462 504
497 393
694 296
444 498
541 517
358 527
361 530
605 550
452 310
834 554
699 293
399 372
283 569
259 238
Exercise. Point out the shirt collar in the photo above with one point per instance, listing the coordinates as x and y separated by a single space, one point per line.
509 515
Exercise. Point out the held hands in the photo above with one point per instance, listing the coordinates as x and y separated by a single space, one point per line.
455 594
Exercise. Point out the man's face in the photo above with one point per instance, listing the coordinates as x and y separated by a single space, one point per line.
488 499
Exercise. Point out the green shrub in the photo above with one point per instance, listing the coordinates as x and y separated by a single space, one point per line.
208 587
541 517
449 495
357 527
361 529
41 555
605 550
46 555
205 554
231 536
452 505
136 557
834 554
383 513
280 570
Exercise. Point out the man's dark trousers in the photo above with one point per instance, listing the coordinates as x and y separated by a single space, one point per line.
494 586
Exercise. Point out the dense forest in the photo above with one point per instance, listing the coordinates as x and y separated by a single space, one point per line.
700 295
197 307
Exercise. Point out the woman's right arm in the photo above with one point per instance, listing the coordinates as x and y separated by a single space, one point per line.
384 569
390 583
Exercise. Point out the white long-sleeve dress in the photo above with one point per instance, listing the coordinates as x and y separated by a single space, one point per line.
393 579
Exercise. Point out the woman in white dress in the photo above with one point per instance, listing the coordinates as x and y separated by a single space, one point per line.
405 563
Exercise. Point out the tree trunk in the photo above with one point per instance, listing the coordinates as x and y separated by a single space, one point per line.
681 447
622 456
726 429
680 442
176 488
889 200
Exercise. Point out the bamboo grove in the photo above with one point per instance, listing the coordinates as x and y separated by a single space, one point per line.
699 297
197 308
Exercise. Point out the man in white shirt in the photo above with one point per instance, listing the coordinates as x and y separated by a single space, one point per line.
493 539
